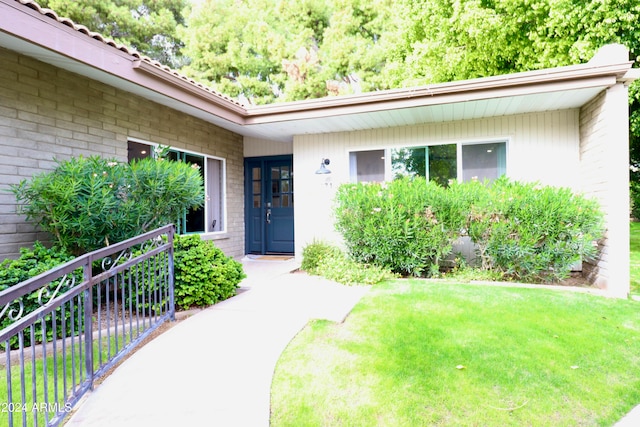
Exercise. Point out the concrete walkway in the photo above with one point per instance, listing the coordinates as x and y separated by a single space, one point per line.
215 368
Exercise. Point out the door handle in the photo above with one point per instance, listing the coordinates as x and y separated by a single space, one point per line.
268 216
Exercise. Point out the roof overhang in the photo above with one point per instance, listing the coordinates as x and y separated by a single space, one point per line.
39 33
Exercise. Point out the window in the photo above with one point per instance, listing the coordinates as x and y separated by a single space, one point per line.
438 162
441 163
209 218
484 161
281 187
367 166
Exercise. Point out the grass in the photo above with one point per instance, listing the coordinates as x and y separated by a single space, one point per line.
415 353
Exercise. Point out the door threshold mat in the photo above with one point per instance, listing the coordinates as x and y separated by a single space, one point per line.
271 257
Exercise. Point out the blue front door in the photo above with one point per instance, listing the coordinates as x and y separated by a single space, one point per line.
269 204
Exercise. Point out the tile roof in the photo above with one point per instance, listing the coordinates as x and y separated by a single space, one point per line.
126 49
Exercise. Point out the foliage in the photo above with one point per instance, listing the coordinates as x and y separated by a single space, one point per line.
203 274
77 202
407 225
314 253
323 259
160 191
315 48
343 269
88 203
635 257
147 26
462 272
532 232
523 231
263 50
31 263
445 41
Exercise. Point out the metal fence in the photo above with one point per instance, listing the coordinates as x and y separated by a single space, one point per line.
70 325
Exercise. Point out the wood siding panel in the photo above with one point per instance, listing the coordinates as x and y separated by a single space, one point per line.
541 147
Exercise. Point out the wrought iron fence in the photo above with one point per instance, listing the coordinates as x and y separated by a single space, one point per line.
72 324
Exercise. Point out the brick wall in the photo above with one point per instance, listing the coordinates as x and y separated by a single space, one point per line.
46 112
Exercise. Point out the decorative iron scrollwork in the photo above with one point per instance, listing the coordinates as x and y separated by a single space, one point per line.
14 313
151 244
108 262
50 295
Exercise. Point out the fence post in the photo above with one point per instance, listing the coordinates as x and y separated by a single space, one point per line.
87 272
172 308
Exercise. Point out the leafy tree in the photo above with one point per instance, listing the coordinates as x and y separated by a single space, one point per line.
243 47
445 40
357 44
149 26
264 50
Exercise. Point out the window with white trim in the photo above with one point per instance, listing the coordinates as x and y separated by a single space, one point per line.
211 217
441 163
367 166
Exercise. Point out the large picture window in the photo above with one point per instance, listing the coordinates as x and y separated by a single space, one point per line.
440 163
211 217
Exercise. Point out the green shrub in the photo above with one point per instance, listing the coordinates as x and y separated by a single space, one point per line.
203 274
323 259
89 203
536 233
343 269
523 231
406 226
314 253
31 263
635 200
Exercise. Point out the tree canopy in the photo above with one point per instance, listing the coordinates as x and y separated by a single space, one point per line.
149 26
268 50
278 50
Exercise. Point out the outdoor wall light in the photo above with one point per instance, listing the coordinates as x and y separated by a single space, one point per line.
323 169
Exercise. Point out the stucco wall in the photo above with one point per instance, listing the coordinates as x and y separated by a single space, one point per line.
604 173
47 112
541 147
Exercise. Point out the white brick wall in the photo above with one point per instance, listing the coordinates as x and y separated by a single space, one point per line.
604 174
47 112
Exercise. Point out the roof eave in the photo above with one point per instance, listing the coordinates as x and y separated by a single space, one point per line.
430 95
187 85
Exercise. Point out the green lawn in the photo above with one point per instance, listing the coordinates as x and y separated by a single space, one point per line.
420 353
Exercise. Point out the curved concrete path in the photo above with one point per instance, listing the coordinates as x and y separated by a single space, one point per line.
215 368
